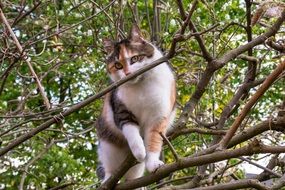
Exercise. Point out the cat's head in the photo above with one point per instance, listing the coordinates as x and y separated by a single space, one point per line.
128 55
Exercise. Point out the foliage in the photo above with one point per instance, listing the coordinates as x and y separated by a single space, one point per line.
70 65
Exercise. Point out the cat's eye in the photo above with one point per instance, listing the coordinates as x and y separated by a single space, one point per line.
136 58
118 65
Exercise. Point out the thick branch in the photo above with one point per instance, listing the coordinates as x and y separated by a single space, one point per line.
251 132
276 46
196 130
164 171
240 184
279 184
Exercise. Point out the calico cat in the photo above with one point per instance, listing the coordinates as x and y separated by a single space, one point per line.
137 112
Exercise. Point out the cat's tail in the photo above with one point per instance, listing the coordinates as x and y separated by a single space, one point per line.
100 171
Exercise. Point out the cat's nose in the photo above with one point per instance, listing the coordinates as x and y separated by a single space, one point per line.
127 71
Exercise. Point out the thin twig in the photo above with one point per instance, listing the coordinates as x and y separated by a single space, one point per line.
74 25
265 85
21 51
170 146
259 166
41 154
178 35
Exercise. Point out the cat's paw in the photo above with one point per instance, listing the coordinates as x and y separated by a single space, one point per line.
138 151
153 164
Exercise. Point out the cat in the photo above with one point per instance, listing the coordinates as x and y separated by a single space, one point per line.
136 112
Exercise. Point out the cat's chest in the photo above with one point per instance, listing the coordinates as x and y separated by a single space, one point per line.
141 98
149 100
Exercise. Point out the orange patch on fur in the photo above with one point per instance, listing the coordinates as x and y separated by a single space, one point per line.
111 68
155 140
122 58
122 54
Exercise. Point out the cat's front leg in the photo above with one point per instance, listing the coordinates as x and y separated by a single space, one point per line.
153 141
132 134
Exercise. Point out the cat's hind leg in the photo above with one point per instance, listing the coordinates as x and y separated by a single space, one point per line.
111 157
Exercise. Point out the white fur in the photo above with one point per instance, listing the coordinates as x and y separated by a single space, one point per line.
111 157
153 162
132 134
149 101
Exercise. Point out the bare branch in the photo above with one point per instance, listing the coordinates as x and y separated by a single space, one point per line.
244 183
253 148
265 85
259 166
170 146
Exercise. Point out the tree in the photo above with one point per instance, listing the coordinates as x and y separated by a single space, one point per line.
228 57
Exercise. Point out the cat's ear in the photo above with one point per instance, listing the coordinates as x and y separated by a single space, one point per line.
108 45
135 34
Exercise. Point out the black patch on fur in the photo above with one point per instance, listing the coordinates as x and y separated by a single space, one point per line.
142 48
104 131
100 171
122 115
117 47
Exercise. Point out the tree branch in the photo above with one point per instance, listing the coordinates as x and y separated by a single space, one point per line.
124 167
74 25
239 184
217 64
76 107
232 54
21 51
265 85
259 166
253 148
